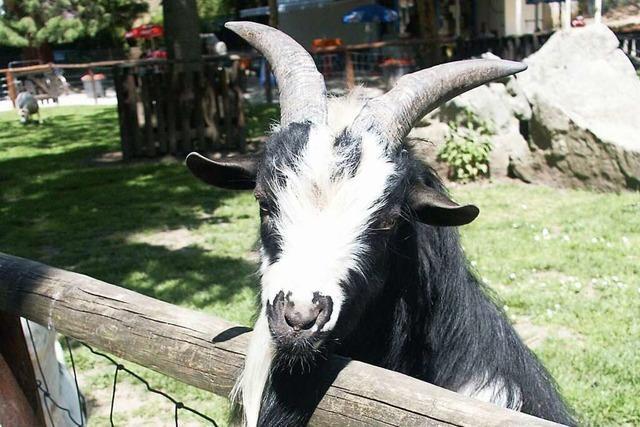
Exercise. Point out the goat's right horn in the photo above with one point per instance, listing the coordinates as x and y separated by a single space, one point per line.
303 95
393 114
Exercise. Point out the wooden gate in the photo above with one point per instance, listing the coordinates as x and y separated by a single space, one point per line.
166 107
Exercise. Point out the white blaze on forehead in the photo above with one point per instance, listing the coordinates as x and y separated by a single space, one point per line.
323 214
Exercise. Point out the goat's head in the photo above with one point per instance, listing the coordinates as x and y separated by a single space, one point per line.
330 199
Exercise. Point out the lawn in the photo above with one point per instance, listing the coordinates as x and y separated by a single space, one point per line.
564 262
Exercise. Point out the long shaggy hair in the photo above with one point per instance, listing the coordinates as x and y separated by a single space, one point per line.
423 312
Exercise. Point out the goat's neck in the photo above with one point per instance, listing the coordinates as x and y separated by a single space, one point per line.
391 332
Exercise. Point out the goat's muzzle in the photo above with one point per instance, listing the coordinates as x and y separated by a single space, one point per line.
295 323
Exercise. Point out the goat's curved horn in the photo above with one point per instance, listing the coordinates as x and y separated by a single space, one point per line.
393 114
302 89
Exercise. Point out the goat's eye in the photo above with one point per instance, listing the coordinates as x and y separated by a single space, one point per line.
264 210
385 224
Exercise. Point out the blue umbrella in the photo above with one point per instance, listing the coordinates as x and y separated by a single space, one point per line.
370 13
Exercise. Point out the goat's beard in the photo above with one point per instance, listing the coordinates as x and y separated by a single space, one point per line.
300 356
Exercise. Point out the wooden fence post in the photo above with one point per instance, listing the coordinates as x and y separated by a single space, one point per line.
146 95
348 68
171 87
159 89
17 377
11 88
123 113
14 408
199 108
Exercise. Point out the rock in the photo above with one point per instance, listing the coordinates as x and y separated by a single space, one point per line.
517 99
502 105
510 150
491 103
585 123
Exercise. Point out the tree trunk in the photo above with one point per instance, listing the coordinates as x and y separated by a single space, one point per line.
273 13
184 49
181 26
428 30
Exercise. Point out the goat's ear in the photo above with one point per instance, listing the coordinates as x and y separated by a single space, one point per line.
232 173
434 208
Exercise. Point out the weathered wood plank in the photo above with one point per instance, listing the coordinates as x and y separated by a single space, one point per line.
172 89
147 106
14 407
192 348
161 107
199 83
123 113
15 356
132 109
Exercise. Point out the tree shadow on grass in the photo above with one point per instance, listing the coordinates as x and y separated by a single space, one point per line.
58 208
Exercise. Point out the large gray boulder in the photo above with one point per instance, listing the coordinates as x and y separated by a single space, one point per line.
585 123
502 105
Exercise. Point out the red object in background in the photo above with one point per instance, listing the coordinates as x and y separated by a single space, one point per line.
156 54
398 62
145 32
320 43
578 22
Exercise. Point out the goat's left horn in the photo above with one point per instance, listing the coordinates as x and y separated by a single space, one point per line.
393 114
303 95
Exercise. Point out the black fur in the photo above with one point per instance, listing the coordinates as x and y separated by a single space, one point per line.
419 309
283 150
434 320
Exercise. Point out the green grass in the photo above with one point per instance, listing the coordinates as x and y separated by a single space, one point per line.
60 206
578 280
569 259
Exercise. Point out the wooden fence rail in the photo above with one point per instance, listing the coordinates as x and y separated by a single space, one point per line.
208 352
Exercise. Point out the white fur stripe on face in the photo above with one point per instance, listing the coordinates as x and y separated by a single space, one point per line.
323 215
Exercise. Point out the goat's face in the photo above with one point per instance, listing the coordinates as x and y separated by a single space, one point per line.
329 203
326 207
329 196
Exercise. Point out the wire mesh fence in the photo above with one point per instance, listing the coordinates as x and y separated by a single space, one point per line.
74 411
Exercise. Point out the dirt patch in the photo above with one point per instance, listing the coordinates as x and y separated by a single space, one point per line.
108 158
132 402
535 335
175 239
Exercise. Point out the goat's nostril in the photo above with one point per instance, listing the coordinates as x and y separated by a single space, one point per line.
300 320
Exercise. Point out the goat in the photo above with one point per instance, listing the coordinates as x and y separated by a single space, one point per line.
27 105
360 254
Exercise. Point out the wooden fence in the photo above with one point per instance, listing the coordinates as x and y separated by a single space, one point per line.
514 48
174 108
352 62
630 44
208 352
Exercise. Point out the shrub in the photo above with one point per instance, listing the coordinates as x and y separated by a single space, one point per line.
467 147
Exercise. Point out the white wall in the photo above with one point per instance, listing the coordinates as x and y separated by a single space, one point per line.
548 17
